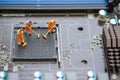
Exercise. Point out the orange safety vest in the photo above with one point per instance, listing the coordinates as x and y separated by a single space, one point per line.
28 27
51 24
20 37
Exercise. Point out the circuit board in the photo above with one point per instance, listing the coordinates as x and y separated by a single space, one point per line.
80 45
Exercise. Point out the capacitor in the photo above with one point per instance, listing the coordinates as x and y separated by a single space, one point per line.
112 65
111 54
117 61
114 76
3 74
113 21
60 74
91 74
2 78
102 15
91 79
111 57
117 57
115 50
60 79
112 61
117 53
38 74
118 65
119 21
110 50
37 79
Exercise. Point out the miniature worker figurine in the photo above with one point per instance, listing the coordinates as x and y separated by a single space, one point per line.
51 25
20 37
28 27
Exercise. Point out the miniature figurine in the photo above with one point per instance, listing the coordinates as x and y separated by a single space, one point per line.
51 26
20 37
28 27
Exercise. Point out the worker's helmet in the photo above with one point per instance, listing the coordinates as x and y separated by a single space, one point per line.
53 21
20 30
30 22
27 22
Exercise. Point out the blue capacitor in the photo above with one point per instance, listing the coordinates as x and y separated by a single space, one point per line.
103 12
37 79
114 21
3 74
38 74
102 15
60 74
91 74
60 79
91 79
2 79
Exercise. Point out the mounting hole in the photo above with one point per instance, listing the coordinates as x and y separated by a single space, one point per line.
84 62
80 28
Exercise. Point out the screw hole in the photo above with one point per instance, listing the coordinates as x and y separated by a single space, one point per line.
80 28
84 62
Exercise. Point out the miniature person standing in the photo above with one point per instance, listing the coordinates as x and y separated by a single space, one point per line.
28 27
51 25
20 37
